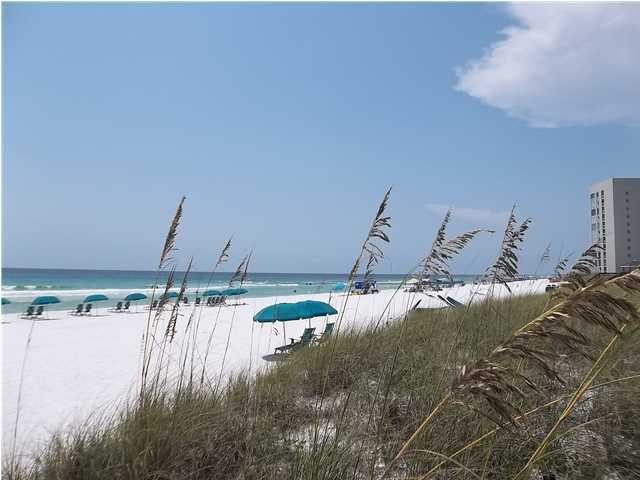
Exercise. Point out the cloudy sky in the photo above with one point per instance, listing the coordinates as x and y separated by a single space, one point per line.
284 124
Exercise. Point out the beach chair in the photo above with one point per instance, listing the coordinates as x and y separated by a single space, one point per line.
126 306
454 303
78 310
28 313
154 305
87 309
118 307
328 330
305 339
197 300
445 301
39 311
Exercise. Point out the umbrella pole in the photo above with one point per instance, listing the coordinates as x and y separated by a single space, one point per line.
284 329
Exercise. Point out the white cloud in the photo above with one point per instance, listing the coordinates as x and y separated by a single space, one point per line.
481 217
563 64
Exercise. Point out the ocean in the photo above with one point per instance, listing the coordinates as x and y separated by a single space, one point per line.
22 285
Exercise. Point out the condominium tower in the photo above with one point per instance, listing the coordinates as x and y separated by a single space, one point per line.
615 223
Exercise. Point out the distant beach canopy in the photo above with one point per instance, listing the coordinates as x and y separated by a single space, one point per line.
5 301
230 292
169 295
132 297
212 293
98 297
46 300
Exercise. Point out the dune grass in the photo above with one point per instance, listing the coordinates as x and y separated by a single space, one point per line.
275 424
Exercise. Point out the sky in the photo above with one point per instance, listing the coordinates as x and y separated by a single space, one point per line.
284 124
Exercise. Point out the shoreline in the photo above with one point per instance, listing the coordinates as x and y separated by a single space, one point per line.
97 357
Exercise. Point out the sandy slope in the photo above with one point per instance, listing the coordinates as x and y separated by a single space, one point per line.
79 365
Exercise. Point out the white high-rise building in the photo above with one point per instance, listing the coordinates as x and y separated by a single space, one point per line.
615 222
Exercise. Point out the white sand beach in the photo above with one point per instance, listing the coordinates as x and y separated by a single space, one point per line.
76 366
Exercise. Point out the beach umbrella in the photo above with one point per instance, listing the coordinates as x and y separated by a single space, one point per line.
285 312
212 293
313 308
5 301
279 312
169 295
230 292
46 300
338 287
98 297
134 297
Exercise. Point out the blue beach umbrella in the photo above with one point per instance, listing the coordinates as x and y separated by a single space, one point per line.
280 312
46 300
98 297
338 287
313 308
212 293
230 292
285 312
134 297
5 301
169 295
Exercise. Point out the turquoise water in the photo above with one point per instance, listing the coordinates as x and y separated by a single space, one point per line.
21 285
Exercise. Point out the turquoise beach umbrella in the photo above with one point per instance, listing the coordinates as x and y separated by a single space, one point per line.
285 312
280 312
98 297
338 287
212 293
5 301
169 295
313 308
46 300
133 297
230 292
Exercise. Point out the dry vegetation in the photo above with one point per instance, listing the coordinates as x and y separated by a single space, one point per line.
541 386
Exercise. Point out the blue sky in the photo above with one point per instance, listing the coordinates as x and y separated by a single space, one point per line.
283 124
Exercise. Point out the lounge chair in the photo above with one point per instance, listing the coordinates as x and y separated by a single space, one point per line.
118 307
328 329
455 303
78 310
39 311
154 305
126 306
29 312
87 309
197 300
305 339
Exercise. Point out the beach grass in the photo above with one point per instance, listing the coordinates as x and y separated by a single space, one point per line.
291 422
